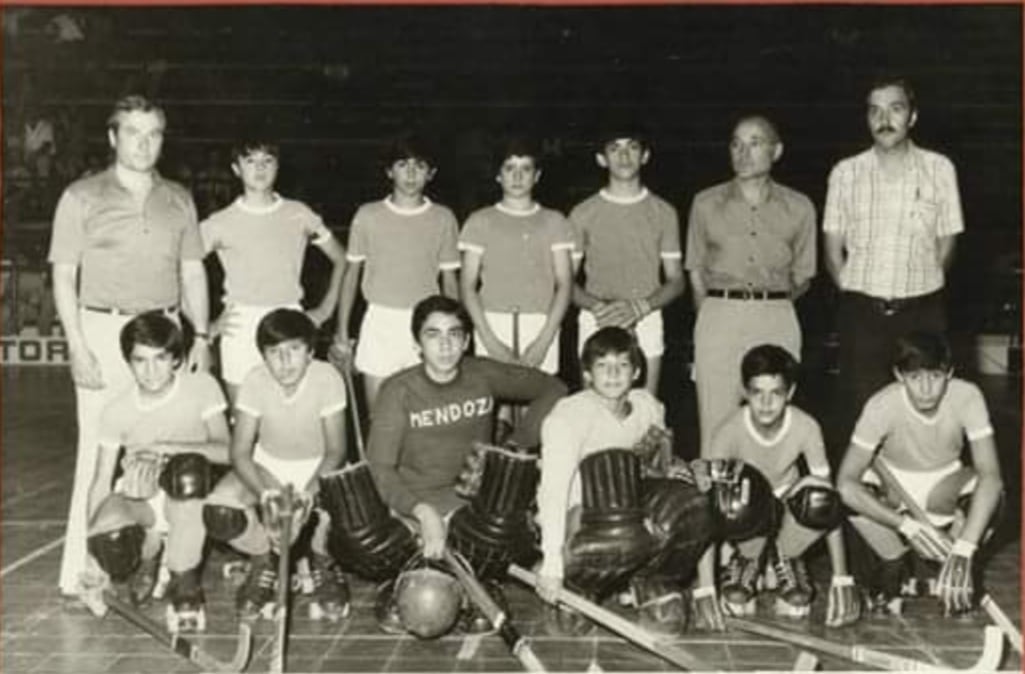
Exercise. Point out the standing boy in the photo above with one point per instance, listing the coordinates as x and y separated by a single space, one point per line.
171 425
771 435
519 253
261 239
399 244
289 429
625 235
916 426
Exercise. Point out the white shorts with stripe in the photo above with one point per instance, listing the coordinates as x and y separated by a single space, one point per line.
648 332
386 342
529 327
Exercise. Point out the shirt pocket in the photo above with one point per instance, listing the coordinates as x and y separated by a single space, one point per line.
924 217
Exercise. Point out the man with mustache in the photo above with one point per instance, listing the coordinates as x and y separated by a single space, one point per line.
891 218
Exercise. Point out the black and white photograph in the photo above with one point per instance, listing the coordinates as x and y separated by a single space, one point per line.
511 337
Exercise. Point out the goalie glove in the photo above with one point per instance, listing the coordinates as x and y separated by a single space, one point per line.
141 478
708 609
955 586
844 606
926 541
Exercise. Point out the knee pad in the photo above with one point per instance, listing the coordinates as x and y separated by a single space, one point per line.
118 552
815 504
224 523
186 476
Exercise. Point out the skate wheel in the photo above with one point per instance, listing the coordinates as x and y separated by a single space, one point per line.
748 608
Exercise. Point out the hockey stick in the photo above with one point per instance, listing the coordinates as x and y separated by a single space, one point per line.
988 604
514 412
518 645
357 428
625 628
989 660
278 508
184 645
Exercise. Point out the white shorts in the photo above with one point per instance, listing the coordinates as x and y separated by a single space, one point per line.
648 332
296 472
386 342
530 326
920 483
157 503
239 354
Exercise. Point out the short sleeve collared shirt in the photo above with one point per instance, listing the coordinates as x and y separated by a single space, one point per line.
102 228
891 228
734 244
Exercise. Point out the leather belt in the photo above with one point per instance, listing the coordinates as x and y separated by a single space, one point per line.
126 312
748 294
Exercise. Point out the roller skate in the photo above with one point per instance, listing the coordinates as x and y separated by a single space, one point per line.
330 590
256 596
185 608
740 585
386 610
794 588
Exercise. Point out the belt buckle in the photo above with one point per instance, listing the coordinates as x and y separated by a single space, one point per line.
889 307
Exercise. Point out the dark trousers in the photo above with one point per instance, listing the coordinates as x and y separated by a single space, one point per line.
869 328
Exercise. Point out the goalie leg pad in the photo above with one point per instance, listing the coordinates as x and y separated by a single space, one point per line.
187 476
680 516
612 541
224 523
118 552
364 536
493 530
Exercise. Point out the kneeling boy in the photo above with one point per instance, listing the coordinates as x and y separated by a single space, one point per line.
289 429
771 435
915 427
171 425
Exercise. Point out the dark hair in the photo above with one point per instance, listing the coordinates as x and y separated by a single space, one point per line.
154 329
282 325
410 146
442 305
250 144
890 80
769 359
517 146
922 350
612 130
611 340
133 103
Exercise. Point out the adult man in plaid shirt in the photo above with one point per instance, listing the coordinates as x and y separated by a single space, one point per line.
892 215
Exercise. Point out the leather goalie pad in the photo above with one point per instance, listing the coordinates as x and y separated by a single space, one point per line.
612 541
816 506
118 552
187 476
364 536
494 529
680 517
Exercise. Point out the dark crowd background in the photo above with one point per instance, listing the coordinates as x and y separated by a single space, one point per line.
334 84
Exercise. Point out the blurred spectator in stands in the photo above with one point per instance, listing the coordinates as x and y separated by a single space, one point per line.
35 292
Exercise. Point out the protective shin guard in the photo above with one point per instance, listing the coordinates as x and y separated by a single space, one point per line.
612 541
680 516
118 552
364 536
493 530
